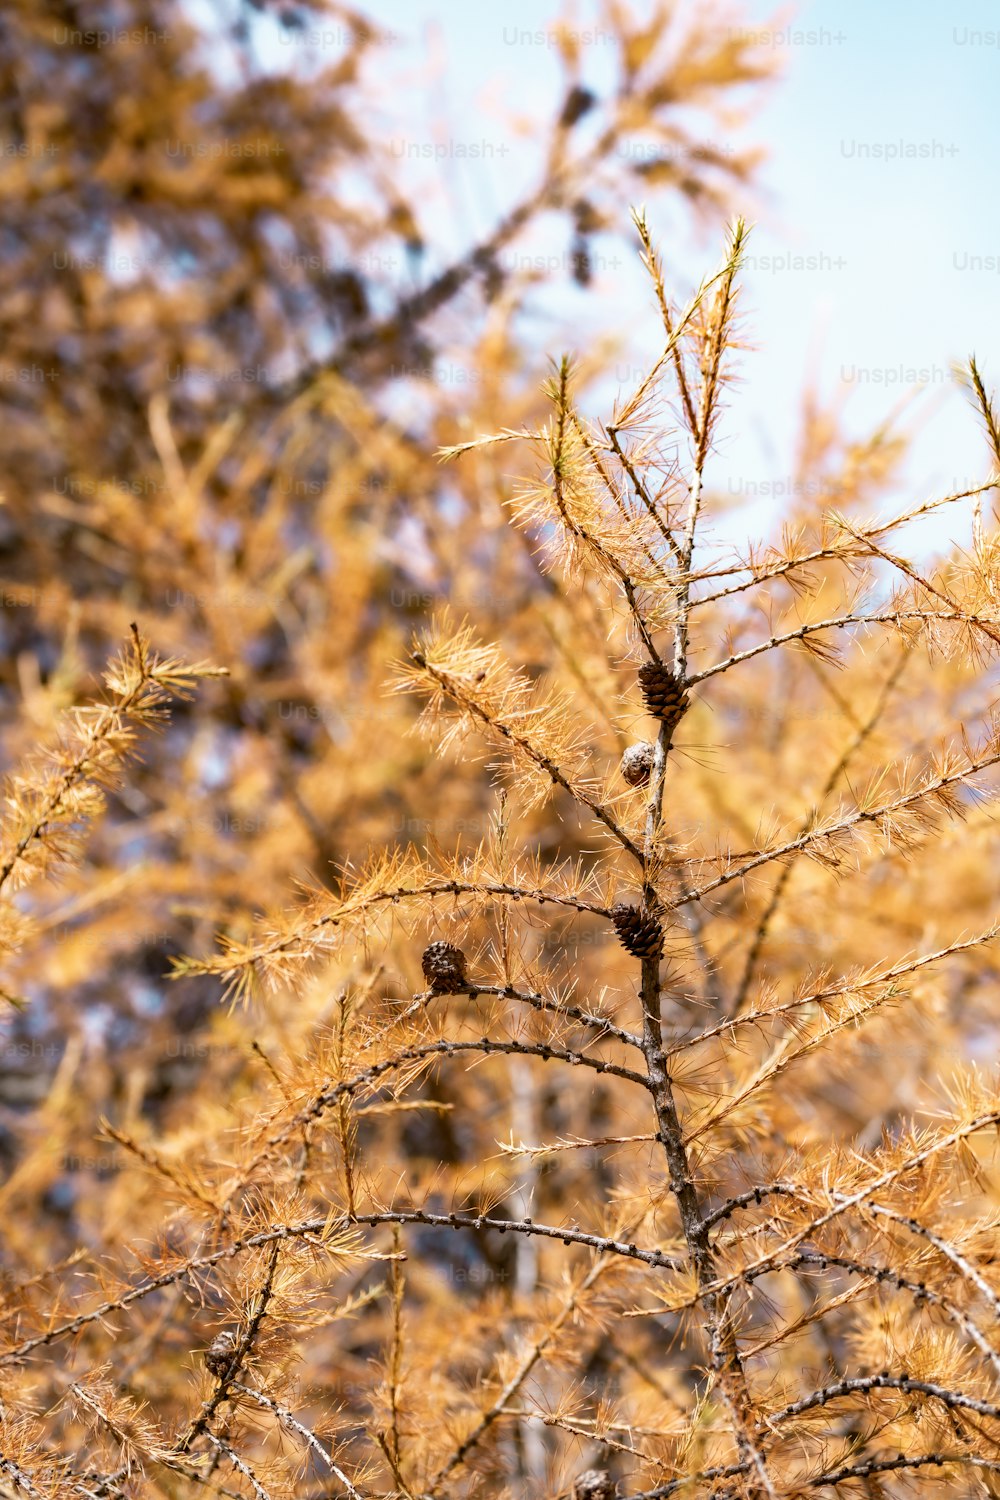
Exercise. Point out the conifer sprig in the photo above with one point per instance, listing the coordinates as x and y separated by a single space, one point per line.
51 799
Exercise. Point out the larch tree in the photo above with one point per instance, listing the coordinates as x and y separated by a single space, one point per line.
614 1111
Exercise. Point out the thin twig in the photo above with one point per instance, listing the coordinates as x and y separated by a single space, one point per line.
285 1416
843 760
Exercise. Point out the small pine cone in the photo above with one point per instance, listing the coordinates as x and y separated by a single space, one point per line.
662 691
578 102
637 763
594 1484
638 930
444 968
219 1354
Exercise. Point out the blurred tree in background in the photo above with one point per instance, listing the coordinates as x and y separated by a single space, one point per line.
216 283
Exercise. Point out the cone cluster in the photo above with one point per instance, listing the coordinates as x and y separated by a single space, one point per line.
662 691
637 763
444 968
639 931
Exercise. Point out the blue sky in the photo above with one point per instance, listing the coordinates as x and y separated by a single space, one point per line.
908 231
881 139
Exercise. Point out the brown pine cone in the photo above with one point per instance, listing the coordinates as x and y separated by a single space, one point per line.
594 1484
637 763
662 691
219 1354
444 968
638 930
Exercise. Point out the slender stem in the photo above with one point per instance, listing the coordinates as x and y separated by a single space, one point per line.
290 1420
838 550
526 1227
721 1328
857 740
527 748
838 622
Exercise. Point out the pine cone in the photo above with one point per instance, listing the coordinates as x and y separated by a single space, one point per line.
219 1354
578 102
662 691
637 763
444 968
638 930
594 1484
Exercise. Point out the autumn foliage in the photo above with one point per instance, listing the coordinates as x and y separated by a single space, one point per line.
499 986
